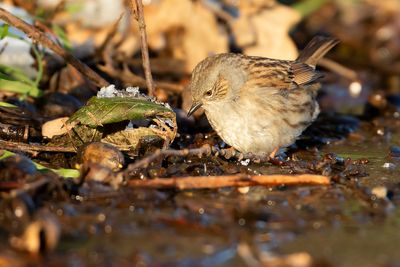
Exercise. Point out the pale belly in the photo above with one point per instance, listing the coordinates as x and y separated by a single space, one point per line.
251 131
243 130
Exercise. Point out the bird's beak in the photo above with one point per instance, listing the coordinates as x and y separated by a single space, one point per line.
193 108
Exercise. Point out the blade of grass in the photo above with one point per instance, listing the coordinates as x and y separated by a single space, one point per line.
7 105
14 74
4 31
67 173
307 7
39 61
19 87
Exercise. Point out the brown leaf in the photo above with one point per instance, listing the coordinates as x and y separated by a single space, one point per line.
266 32
190 28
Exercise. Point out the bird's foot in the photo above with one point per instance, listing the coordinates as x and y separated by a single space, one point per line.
274 160
274 152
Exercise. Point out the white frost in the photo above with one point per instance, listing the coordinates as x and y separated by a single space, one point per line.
133 92
389 165
106 92
245 162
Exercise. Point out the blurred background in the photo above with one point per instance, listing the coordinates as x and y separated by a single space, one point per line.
182 32
355 141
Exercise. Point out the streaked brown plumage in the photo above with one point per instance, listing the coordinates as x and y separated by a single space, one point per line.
258 104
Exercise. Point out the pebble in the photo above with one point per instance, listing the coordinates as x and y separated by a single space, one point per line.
243 189
379 191
395 151
389 166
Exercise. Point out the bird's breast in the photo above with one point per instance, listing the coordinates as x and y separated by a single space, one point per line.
242 127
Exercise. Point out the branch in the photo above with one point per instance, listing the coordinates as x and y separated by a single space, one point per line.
25 188
339 69
241 180
32 149
206 150
41 38
138 14
143 163
112 32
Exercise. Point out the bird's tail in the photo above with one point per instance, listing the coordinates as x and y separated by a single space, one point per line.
316 49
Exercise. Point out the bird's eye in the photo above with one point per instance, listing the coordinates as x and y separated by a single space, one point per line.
208 93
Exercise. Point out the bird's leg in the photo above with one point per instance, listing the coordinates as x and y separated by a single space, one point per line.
273 153
276 160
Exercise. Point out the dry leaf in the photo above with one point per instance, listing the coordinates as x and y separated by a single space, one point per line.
55 127
188 28
266 32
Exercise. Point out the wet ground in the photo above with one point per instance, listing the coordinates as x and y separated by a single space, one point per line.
353 222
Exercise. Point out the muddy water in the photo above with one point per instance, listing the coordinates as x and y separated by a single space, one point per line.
340 225
370 241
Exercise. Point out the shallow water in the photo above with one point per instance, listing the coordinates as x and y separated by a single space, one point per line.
340 225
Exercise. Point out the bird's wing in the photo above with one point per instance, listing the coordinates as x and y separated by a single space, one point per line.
279 74
303 74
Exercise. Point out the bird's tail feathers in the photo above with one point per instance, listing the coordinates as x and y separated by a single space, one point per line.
316 49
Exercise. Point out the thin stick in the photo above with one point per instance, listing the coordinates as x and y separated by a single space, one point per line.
218 11
338 69
34 148
138 14
110 35
241 180
130 77
204 150
26 188
143 163
41 38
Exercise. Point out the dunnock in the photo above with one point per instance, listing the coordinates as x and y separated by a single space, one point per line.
256 104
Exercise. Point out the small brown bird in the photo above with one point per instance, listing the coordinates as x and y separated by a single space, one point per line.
256 104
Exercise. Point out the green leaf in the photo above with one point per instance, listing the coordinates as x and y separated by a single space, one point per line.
4 30
14 74
19 87
67 173
306 7
100 111
39 59
6 154
14 80
74 8
7 105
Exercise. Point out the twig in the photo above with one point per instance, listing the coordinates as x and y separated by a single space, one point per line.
110 35
130 77
339 69
143 163
34 148
204 150
41 38
215 7
241 180
138 14
26 188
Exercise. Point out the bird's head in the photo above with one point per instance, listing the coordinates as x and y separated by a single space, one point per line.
215 79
